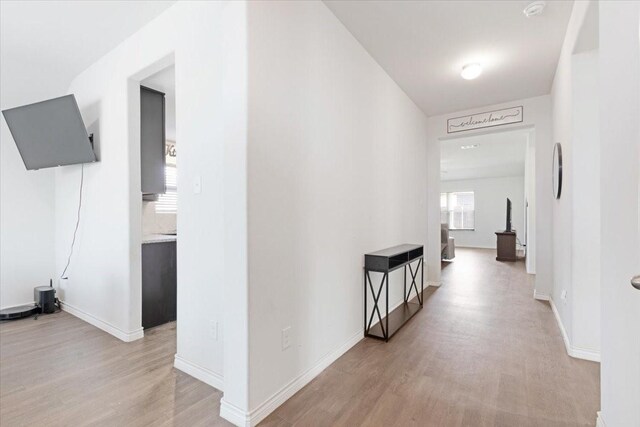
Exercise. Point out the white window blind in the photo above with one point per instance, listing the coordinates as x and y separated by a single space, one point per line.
457 209
168 202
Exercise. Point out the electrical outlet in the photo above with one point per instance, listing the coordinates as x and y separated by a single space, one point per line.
563 296
213 330
197 185
286 338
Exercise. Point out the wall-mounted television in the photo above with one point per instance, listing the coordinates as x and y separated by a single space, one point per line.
508 228
50 133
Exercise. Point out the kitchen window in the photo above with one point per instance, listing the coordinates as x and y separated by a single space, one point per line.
168 202
457 209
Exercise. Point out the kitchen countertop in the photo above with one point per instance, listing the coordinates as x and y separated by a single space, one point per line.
158 238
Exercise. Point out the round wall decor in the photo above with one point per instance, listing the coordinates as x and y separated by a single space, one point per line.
557 170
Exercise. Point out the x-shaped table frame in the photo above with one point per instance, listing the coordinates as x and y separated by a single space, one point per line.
384 283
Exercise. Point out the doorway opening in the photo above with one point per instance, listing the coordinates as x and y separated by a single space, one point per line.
487 188
158 163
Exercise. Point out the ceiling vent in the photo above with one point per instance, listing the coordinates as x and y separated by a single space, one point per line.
534 9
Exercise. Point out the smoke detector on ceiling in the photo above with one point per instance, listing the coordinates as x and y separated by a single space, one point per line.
534 9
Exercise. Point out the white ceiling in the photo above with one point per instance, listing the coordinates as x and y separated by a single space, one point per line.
424 44
497 154
53 41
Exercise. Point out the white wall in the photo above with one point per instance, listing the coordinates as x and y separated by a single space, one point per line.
206 40
586 202
619 57
26 197
337 156
537 118
575 218
490 195
562 208
530 202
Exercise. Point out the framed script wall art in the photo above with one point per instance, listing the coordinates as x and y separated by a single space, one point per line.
487 119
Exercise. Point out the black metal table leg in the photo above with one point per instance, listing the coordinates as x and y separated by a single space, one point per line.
422 281
414 285
365 302
404 292
376 309
386 330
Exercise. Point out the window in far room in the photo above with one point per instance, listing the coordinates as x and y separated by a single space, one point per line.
457 209
168 202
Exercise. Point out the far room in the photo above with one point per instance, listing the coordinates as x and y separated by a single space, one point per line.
487 194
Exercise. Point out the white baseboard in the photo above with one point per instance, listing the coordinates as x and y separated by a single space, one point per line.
235 415
474 246
573 351
585 354
243 419
434 284
101 324
540 296
201 373
17 305
599 420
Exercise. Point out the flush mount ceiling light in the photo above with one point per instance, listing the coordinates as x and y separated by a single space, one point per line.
469 147
471 71
534 9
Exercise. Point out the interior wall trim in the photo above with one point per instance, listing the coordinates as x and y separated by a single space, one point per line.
473 246
540 296
17 305
125 336
599 420
234 415
573 351
201 373
243 419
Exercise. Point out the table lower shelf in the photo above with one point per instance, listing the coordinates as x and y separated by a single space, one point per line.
398 317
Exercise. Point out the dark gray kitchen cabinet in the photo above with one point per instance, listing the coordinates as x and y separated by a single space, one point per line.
159 283
152 142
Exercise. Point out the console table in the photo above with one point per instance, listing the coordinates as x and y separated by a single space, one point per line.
386 261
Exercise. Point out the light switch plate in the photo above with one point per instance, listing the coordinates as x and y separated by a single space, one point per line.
197 185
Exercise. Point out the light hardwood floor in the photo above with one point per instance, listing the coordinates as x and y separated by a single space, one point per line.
482 352
61 371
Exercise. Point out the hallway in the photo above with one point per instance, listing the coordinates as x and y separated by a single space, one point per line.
483 352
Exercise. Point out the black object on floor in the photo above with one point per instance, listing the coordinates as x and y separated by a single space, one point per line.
45 298
45 302
19 312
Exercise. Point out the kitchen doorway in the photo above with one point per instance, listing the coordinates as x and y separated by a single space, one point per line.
159 199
